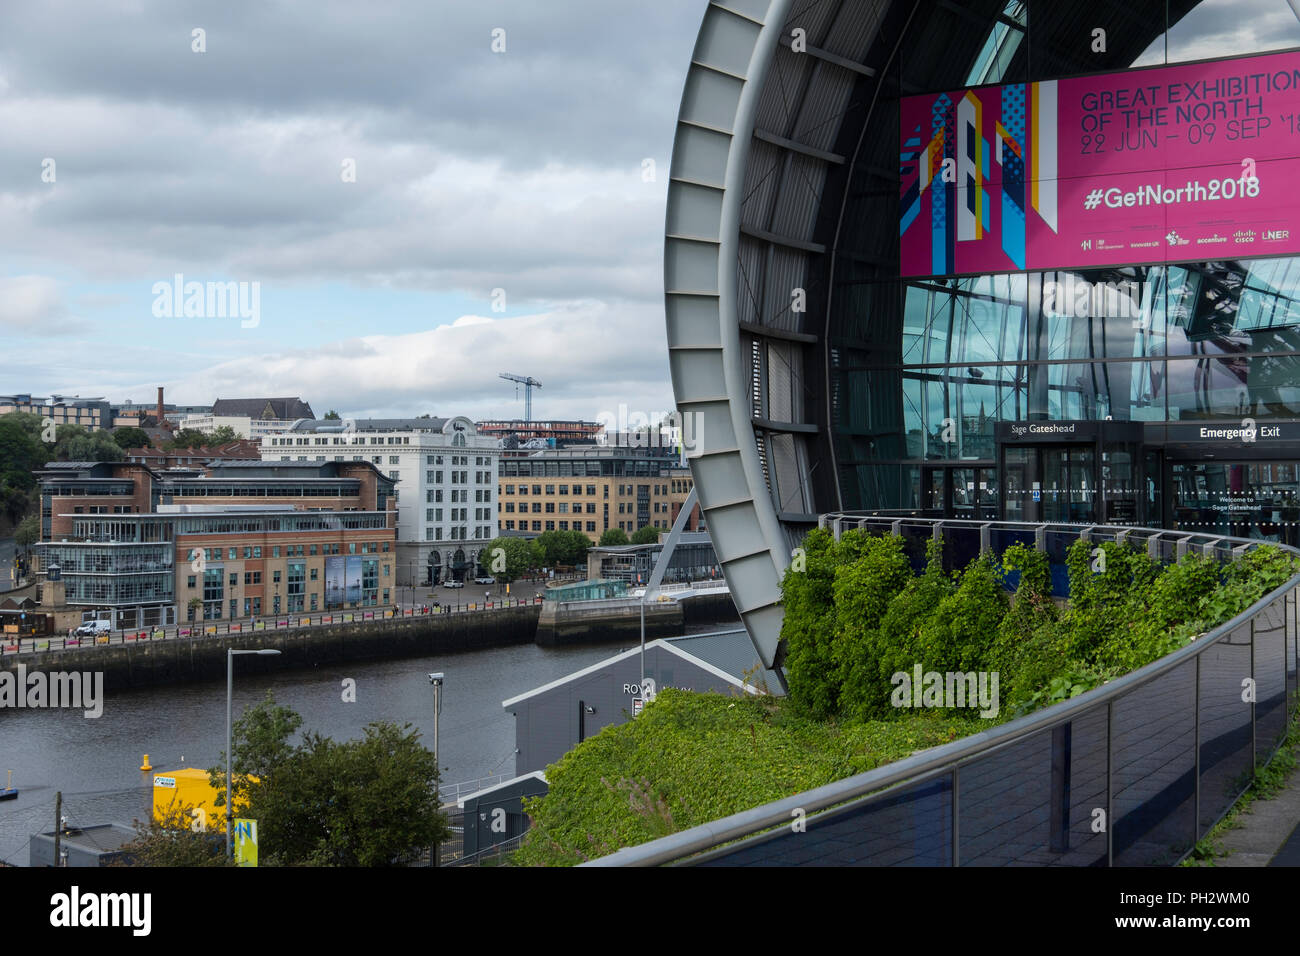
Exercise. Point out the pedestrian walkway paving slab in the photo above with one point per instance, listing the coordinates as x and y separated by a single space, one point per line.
1267 833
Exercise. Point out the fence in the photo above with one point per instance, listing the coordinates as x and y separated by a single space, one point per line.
1132 773
275 623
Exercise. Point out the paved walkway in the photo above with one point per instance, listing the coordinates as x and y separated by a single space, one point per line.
1269 831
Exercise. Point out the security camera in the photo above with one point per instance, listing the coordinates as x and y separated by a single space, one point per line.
435 679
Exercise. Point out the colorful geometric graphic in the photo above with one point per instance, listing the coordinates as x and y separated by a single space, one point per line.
1168 164
971 173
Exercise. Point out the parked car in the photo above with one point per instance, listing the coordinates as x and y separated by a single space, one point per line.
453 584
485 579
92 628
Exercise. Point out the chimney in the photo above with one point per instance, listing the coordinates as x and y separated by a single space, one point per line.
159 413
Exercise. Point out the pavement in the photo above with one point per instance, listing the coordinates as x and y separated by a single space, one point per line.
1268 831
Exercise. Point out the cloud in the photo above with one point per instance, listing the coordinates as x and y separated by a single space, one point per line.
34 305
589 356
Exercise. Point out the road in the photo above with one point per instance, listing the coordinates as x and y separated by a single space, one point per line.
471 592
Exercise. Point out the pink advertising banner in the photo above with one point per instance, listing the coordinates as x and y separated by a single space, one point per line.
1173 164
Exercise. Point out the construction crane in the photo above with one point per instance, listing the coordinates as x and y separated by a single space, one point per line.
529 383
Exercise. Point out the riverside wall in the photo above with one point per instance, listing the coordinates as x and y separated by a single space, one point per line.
181 660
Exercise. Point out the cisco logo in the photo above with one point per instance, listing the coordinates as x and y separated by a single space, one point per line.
164 781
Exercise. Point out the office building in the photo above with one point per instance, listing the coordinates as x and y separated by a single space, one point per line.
447 480
239 539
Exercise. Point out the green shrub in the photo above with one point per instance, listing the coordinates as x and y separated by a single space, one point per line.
690 758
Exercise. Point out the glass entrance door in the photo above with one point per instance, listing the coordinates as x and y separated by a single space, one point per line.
1069 492
1049 483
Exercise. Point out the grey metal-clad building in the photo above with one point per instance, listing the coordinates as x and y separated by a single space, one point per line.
550 720
495 815
99 845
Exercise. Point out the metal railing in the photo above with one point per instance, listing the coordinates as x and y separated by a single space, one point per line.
201 629
1132 773
452 793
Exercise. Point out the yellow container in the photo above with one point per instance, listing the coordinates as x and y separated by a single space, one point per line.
189 787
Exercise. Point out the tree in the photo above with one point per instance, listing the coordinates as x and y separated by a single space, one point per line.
332 416
21 450
561 547
187 438
131 437
579 545
367 802
75 443
647 535
174 840
613 537
28 532
513 561
221 435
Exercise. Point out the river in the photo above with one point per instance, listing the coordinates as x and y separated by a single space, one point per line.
95 762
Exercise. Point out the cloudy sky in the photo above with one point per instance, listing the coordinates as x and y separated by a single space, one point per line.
128 159
500 219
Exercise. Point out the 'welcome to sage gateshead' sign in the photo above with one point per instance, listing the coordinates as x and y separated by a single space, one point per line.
1178 163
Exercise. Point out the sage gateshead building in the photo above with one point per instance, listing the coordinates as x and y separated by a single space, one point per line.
1028 261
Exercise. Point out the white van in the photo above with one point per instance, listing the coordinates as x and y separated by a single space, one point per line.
94 628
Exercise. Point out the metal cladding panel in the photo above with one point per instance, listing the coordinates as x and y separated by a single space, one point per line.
777 104
694 211
713 433
762 177
713 382
735 524
829 95
700 155
795 213
690 266
782 380
726 41
789 272
764 625
693 321
719 479
754 583
854 29
710 99
697 373
752 255
815 18
750 8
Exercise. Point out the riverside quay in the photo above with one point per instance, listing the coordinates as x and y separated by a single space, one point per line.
235 539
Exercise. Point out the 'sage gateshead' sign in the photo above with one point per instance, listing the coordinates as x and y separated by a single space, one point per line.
1178 163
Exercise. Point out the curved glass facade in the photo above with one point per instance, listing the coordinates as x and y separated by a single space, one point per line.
940 390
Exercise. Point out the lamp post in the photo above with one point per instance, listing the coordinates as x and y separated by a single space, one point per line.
230 687
436 681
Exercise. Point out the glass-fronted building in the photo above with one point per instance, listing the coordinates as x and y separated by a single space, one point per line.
1030 260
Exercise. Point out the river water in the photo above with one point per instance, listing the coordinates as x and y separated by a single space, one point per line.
95 762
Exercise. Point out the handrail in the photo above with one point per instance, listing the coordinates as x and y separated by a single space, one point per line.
14 646
948 757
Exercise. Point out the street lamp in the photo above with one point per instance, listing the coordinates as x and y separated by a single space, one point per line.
436 681
230 686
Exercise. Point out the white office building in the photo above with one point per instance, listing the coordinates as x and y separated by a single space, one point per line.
446 474
241 425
